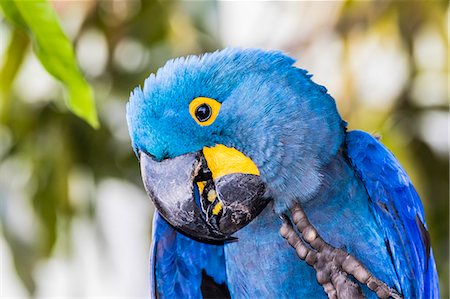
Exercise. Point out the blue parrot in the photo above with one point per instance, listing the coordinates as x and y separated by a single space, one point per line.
237 143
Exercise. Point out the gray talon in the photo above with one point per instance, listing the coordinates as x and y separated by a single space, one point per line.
332 265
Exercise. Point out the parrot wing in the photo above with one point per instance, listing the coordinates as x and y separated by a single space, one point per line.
184 268
398 210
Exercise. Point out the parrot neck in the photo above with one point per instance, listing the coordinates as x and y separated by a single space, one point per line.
340 187
338 184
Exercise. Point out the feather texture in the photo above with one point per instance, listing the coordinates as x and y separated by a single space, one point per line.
178 262
398 211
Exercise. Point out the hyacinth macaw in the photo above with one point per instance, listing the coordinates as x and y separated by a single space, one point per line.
236 144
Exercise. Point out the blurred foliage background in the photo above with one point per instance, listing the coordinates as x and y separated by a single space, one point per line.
75 221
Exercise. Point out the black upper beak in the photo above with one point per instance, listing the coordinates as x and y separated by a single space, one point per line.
186 195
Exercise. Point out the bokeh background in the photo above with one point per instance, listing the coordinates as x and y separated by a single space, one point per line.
75 221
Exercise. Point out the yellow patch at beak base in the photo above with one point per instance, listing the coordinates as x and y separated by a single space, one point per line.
224 160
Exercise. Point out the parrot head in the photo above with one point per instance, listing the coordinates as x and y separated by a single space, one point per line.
220 135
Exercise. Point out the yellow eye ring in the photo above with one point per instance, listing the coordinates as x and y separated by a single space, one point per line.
204 110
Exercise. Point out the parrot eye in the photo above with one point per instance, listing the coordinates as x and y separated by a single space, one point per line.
204 110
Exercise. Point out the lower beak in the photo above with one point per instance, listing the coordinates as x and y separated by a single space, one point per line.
207 195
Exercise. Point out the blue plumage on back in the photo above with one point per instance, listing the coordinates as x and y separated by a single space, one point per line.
399 212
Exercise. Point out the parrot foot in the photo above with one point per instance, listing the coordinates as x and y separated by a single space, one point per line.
333 265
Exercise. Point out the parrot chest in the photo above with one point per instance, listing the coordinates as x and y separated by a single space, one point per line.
261 264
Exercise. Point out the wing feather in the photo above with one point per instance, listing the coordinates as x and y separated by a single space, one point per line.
182 267
399 211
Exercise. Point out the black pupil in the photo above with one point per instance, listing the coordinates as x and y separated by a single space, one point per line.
203 112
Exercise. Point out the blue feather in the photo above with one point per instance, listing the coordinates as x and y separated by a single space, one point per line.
177 263
398 210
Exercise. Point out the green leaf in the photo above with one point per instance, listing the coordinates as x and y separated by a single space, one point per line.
12 13
54 51
13 58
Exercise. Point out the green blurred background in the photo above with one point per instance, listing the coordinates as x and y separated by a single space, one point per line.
75 221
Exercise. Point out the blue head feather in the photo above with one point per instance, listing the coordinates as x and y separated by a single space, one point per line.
271 111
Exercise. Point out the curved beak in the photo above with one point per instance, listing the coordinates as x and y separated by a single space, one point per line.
207 195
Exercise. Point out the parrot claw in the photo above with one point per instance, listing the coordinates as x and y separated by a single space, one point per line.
332 265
